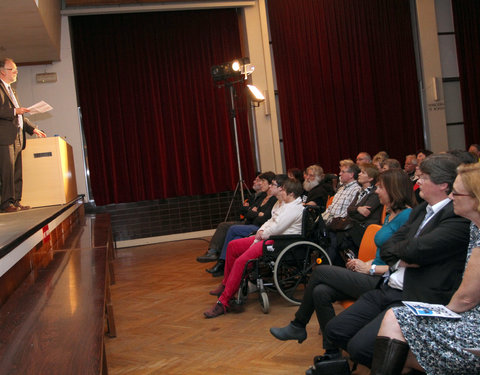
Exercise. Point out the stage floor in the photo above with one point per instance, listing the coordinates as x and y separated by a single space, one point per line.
15 226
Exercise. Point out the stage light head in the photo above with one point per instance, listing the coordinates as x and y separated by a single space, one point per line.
255 94
232 69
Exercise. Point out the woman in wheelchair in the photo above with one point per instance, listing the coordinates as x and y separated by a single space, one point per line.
331 283
286 219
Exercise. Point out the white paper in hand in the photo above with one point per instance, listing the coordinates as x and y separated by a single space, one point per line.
40 107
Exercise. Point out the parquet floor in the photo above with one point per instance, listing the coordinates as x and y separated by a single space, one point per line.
159 298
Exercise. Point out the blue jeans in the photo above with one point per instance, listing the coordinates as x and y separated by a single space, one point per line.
235 232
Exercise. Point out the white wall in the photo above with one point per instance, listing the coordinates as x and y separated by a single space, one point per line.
63 120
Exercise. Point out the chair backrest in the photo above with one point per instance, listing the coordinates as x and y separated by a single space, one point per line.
368 248
330 200
384 214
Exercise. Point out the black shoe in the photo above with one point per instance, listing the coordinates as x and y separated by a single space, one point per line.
290 332
218 273
209 256
219 266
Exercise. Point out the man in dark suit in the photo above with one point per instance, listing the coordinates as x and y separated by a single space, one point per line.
426 258
13 126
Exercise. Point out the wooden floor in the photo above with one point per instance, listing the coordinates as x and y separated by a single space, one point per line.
159 298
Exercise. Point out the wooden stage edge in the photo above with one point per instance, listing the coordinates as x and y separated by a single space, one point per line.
32 246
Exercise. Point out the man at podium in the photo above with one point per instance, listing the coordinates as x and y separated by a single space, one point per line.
13 126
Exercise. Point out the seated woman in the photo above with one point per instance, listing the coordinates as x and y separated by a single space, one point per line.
437 345
330 283
287 219
364 210
254 218
218 238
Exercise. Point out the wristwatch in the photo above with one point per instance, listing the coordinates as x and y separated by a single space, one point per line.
372 269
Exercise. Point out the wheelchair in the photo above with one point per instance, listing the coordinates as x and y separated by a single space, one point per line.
287 262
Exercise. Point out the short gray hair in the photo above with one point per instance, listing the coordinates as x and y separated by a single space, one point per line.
442 168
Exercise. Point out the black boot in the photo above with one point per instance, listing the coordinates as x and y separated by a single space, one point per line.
219 266
389 356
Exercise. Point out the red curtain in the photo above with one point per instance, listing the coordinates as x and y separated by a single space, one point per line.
466 16
346 78
155 123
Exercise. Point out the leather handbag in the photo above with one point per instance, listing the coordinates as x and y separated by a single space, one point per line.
322 365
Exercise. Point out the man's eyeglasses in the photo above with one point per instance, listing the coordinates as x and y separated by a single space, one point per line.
14 70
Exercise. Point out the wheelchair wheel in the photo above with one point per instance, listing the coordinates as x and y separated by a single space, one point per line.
242 292
264 302
294 266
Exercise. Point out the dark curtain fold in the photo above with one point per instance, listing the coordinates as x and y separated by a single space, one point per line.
156 125
346 79
466 16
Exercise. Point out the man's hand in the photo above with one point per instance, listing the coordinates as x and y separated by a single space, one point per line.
39 133
21 110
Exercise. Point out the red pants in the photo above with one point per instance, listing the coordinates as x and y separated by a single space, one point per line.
238 253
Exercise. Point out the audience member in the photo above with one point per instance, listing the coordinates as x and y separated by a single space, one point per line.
422 154
218 238
255 217
286 220
365 209
464 156
391 164
426 256
317 194
475 149
438 345
329 283
334 215
410 166
363 157
296 174
379 158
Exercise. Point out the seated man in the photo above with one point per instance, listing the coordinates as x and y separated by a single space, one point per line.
337 211
287 219
410 166
317 191
426 255
363 157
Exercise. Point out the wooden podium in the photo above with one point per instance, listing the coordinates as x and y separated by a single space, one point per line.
48 172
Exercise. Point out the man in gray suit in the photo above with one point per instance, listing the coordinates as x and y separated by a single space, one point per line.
13 126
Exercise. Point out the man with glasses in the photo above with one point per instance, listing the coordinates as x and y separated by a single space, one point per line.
426 258
13 126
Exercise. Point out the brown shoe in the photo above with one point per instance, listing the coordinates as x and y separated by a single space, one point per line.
217 291
11 208
21 207
217 310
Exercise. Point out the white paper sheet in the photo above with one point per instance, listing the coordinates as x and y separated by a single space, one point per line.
40 107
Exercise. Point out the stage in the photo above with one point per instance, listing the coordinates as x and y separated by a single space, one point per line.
22 231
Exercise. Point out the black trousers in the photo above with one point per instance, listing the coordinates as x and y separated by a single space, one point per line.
327 285
11 172
218 238
356 328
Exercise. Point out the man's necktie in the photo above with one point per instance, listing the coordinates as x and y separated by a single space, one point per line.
15 103
429 214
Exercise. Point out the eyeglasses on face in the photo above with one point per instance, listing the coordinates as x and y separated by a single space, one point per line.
456 194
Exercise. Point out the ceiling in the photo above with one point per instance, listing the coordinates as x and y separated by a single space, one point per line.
30 33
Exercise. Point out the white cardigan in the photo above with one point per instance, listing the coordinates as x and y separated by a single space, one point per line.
287 219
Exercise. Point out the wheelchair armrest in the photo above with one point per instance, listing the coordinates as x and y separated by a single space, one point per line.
286 237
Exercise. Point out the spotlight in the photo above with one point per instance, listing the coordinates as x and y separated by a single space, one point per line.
232 69
255 94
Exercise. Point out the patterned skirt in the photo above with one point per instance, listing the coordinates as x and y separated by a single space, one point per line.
438 343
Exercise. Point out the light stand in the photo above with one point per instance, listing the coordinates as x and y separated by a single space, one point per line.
230 73
233 116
